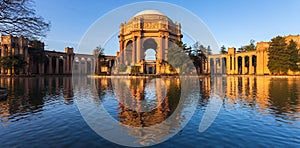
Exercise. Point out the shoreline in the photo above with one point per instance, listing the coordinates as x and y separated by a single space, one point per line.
147 76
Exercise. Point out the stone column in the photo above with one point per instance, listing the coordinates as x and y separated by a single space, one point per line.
57 66
138 47
228 65
66 66
39 68
250 65
236 65
208 65
85 69
133 61
166 47
160 49
27 60
221 65
215 66
232 71
243 65
50 66
2 55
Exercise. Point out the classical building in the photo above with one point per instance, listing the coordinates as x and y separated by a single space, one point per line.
40 61
251 62
147 30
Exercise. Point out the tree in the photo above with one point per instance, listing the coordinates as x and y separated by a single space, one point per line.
293 56
11 62
223 50
249 47
36 51
18 18
279 57
98 53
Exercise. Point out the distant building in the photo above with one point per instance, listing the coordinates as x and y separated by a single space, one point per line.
40 61
250 62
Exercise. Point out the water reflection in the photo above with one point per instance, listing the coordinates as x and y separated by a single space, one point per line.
267 95
150 102
28 95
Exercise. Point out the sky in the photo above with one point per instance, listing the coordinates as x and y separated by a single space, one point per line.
233 23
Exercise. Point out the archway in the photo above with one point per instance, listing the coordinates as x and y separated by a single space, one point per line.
128 53
150 56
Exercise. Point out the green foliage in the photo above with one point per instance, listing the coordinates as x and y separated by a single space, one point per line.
122 67
36 51
293 56
223 50
178 57
250 47
282 56
99 52
12 61
135 69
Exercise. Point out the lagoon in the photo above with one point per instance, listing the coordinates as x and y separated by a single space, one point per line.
255 111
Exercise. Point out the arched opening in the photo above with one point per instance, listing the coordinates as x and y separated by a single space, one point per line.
150 56
128 52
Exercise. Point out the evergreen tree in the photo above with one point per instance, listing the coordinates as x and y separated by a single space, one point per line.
223 50
278 56
293 56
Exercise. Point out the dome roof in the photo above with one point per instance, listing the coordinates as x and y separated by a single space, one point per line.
148 12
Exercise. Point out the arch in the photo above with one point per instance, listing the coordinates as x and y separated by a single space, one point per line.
150 54
148 33
150 43
128 52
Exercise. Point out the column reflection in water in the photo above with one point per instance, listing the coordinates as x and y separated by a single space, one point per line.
267 95
28 95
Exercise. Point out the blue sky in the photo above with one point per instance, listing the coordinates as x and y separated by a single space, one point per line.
232 22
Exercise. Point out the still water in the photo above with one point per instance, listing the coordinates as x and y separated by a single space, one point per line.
255 111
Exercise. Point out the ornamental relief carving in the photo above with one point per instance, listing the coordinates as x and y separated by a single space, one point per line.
151 25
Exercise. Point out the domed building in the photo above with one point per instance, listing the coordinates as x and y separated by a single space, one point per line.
147 30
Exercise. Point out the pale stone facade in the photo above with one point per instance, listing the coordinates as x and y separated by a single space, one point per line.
53 62
251 62
149 29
